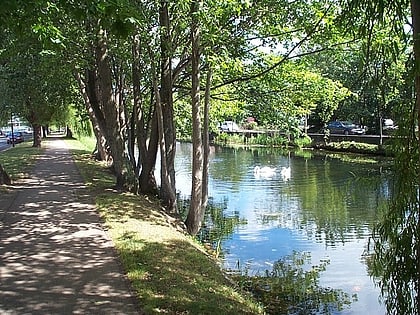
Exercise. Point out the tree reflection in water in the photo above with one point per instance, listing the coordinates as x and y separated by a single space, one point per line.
292 287
328 208
217 225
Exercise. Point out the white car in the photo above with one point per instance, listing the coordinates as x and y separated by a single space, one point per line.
229 126
388 124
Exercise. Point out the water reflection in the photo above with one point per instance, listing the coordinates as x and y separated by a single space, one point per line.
293 288
326 207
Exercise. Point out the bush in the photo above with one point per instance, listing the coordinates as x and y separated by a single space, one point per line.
268 140
303 141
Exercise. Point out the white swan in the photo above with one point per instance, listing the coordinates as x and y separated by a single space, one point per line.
264 172
286 173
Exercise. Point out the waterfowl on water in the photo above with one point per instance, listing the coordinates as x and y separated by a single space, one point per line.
264 172
286 173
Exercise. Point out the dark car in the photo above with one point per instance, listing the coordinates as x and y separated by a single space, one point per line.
17 137
345 128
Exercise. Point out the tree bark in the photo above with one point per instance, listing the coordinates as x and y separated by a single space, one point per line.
111 111
136 113
206 140
88 91
4 177
36 127
37 134
160 124
415 15
196 213
147 150
147 180
166 117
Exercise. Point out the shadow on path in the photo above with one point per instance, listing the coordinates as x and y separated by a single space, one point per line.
55 257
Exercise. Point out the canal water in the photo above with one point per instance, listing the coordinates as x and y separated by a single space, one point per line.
319 204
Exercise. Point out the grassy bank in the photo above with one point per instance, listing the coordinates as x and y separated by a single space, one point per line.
354 147
18 161
169 271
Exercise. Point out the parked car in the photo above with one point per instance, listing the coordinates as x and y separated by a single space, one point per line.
388 124
345 128
229 126
17 137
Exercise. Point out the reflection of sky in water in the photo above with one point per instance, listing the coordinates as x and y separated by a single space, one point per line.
244 247
278 222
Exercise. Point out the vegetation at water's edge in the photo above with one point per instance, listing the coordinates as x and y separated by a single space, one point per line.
169 271
354 147
272 140
303 142
290 289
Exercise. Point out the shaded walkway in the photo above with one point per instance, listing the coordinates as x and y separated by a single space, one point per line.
55 257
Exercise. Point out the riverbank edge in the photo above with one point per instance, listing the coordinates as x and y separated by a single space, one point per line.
353 147
345 147
170 272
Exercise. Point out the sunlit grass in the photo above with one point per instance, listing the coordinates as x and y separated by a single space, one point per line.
355 147
19 161
169 271
88 143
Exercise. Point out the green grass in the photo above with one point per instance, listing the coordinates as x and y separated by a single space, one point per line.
18 161
169 271
355 147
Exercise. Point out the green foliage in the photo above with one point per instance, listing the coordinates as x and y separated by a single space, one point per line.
291 289
78 121
223 137
169 272
270 140
396 237
303 141
353 147
35 86
36 74
226 106
278 99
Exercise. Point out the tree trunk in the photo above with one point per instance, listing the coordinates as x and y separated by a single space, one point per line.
4 177
147 180
111 111
69 133
415 14
170 195
88 90
37 133
206 141
196 213
147 150
44 131
136 113
96 115
166 117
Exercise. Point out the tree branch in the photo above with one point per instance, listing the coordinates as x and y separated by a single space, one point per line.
285 57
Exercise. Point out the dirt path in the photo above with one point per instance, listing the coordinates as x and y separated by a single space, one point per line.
55 257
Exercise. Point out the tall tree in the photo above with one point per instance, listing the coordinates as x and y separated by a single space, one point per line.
196 212
415 14
168 148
